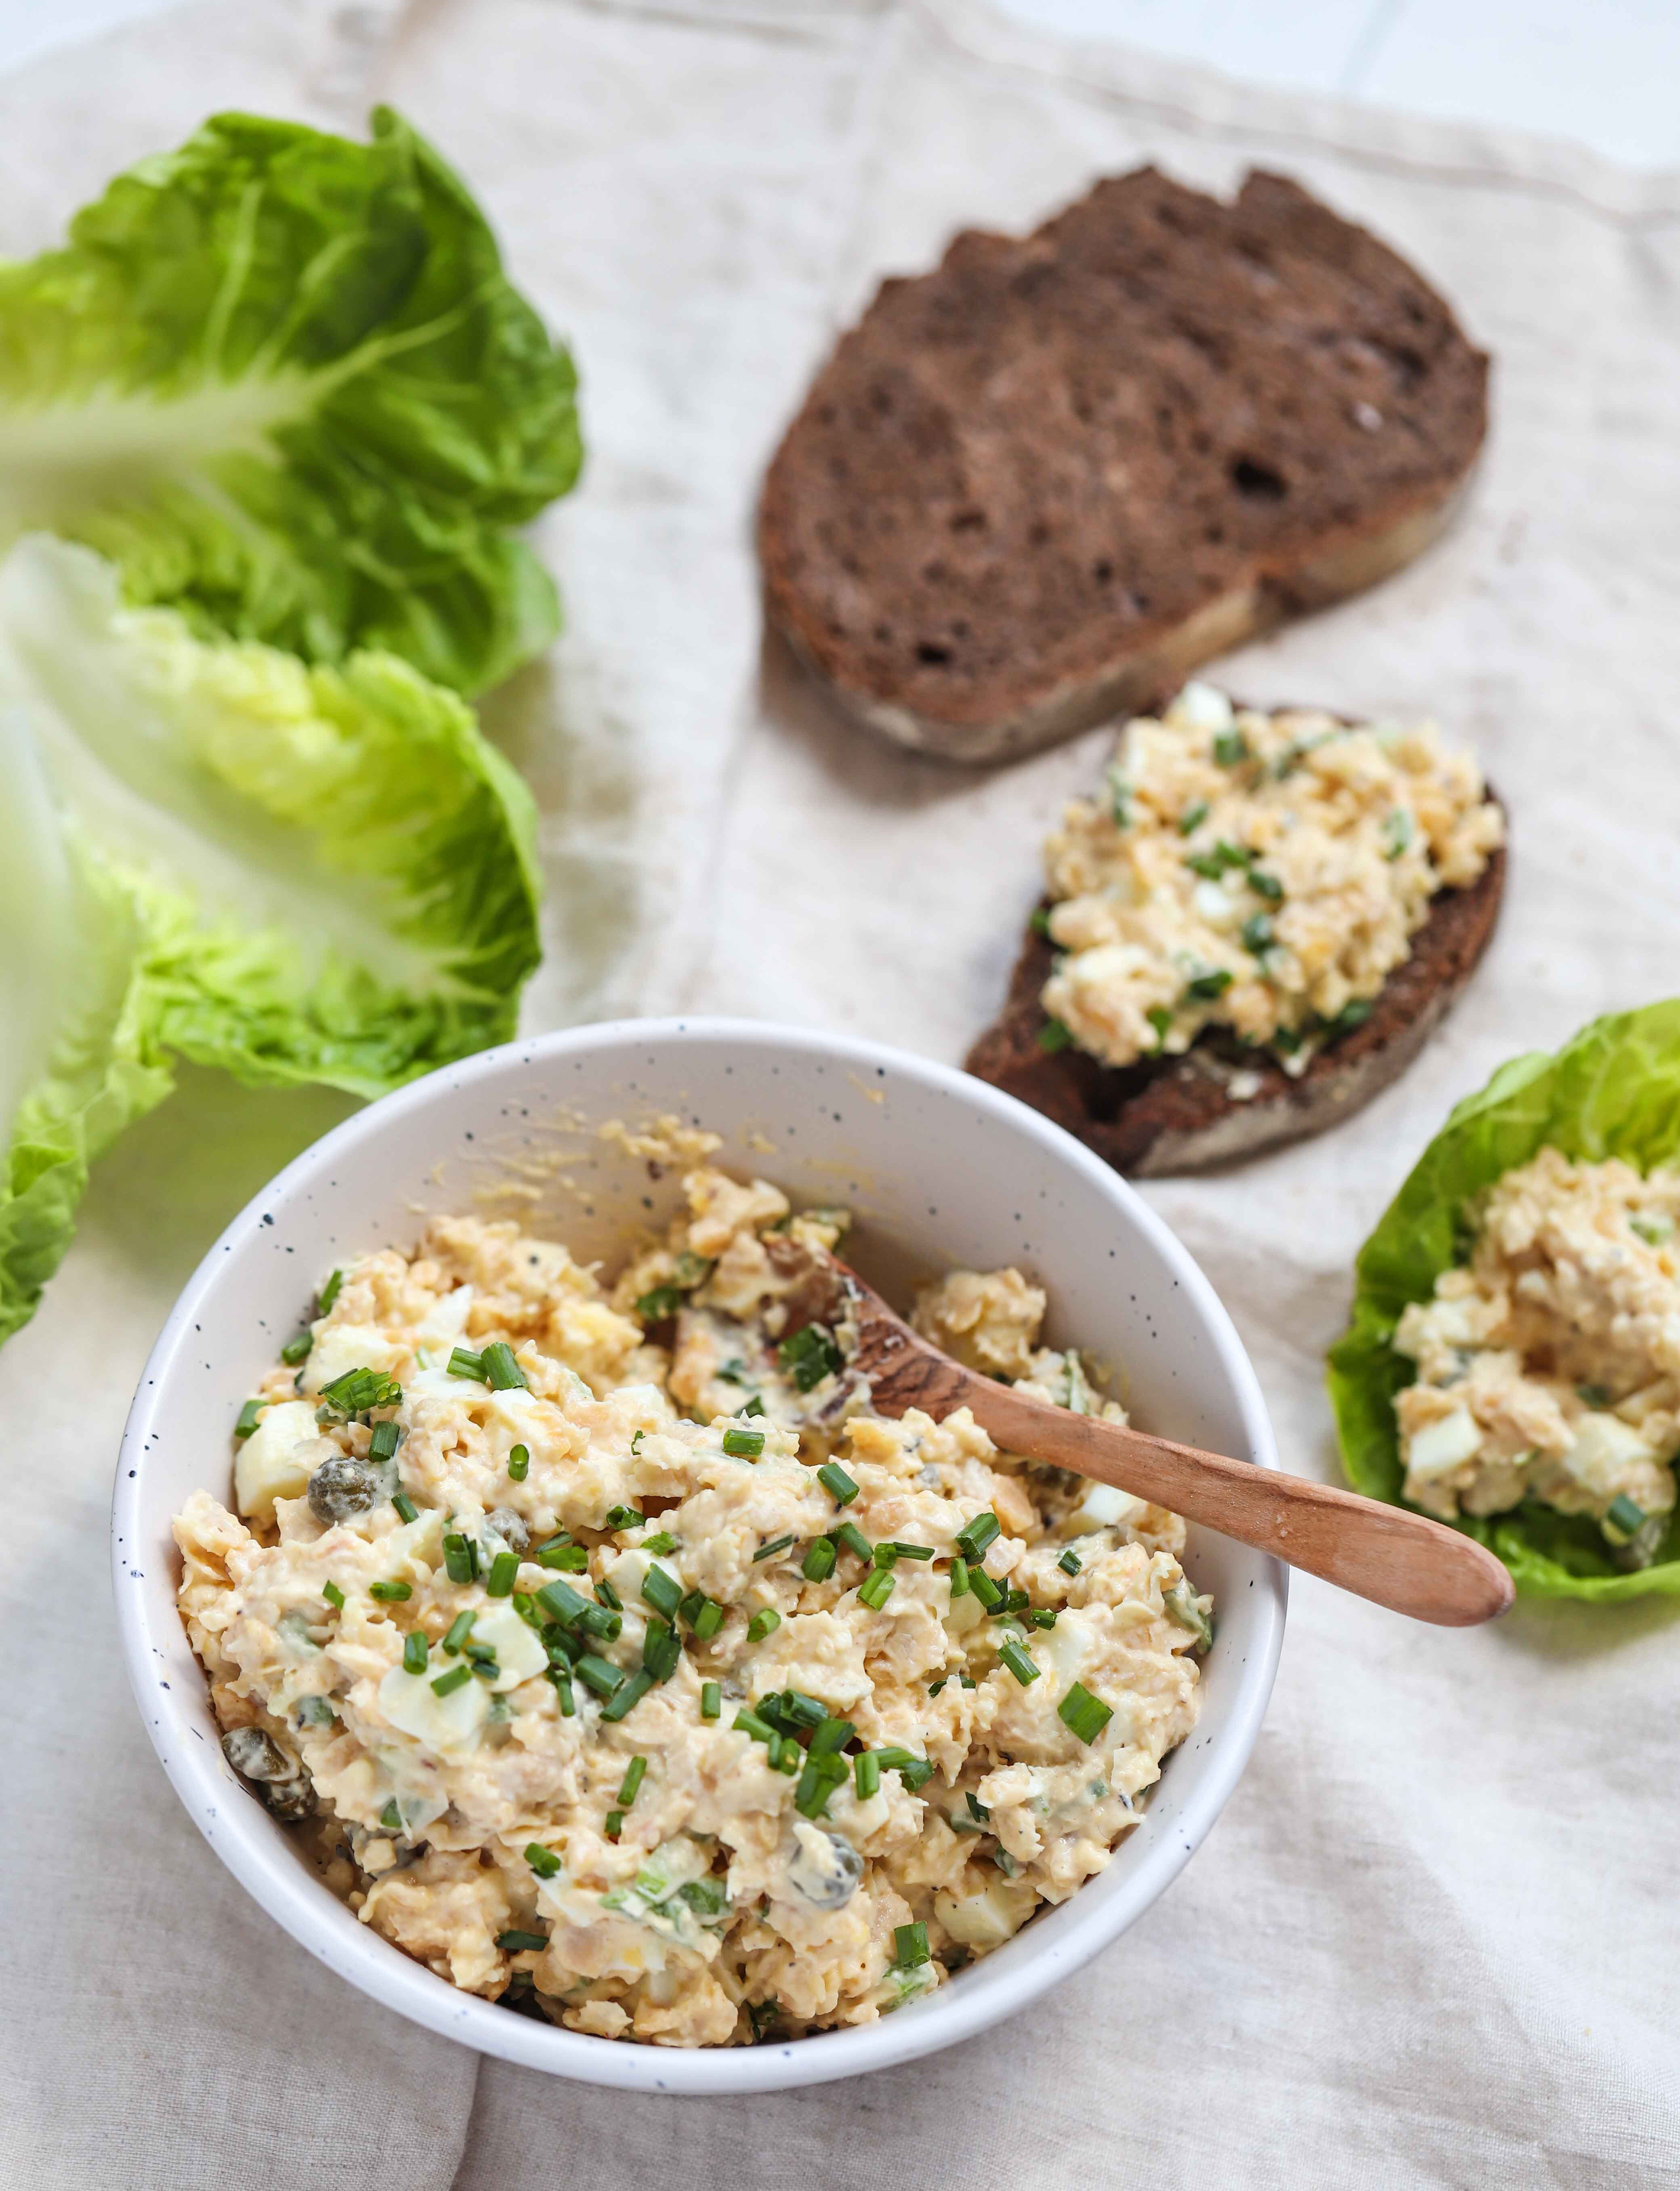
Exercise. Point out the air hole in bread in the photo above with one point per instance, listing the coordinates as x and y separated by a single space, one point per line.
1257 482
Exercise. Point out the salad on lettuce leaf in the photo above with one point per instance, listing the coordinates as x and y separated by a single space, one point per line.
211 849
281 381
1612 1093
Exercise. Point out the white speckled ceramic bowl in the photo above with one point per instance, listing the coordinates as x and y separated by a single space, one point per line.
941 1170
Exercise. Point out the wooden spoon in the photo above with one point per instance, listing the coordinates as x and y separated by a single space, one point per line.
1387 1554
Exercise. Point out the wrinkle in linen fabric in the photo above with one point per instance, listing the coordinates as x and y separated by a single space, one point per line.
1432 1941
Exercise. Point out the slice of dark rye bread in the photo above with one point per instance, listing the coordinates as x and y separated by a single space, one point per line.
1032 488
1179 1115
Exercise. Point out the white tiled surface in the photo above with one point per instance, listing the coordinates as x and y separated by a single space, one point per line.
1604 72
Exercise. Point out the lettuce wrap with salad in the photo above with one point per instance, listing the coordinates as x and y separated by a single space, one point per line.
1612 1092
268 422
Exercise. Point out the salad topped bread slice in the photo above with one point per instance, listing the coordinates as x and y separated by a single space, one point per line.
1513 1364
1250 931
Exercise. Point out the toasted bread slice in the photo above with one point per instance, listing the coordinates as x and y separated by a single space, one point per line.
1034 487
1180 1114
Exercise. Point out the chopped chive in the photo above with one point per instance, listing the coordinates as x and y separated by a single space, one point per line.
934 1688
711 1700
854 1540
1203 989
632 1693
1009 1601
762 1623
334 1596
1012 1656
1266 886
662 1591
1257 933
1070 1562
985 1589
562 1601
357 1393
743 1445
464 1362
634 1774
502 1373
624 1517
661 1649
415 1651
518 1943
1593 1395
866 1774
916 1774
1055 1035
457 1557
819 1560
1653 1227
459 1629
662 1541
598 1673
605 1595
707 1620
775 1544
894 1758
876 1588
753 1407
657 1303
1353 1014
958 1578
794 1705
315 1711
542 1861
390 1593
562 1685
456 1678
329 1293
482 1655
635 1442
978 1811
249 1415
912 1551
910 1946
383 1441
1208 865
809 1356
1230 748
1160 1019
1041 1616
600 1620
1087 1716
1193 817
791 1758
1624 1515
568 1558
296 1349
1039 920
821 1775
391 1817
746 1722
831 1736
504 1572
1396 833
834 1479
984 1530
885 1556
519 1462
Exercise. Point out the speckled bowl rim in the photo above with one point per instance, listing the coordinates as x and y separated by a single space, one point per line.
244 1838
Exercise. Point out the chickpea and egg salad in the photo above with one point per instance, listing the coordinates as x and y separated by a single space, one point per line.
1259 874
624 1666
1548 1366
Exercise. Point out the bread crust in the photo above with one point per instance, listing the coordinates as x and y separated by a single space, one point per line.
1032 487
1178 1115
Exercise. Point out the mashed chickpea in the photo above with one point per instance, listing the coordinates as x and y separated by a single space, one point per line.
622 1662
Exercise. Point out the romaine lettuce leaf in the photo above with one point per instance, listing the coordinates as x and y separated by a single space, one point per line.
281 381
209 850
1613 1090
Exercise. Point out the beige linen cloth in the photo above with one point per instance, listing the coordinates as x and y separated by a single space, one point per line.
1433 1940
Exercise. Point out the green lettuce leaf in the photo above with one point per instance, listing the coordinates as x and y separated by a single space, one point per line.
212 851
1613 1090
281 381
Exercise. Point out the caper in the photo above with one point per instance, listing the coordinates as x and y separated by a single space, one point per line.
280 1779
826 1876
343 1487
512 1528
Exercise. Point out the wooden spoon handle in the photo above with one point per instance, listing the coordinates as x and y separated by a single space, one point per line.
1387 1554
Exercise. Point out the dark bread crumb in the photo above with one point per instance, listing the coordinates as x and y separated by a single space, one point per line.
1178 1115
1107 450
